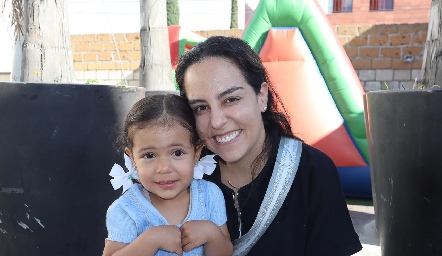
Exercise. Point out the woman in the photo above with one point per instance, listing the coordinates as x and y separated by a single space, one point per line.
283 197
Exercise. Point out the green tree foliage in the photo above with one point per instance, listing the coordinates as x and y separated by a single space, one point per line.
173 12
234 14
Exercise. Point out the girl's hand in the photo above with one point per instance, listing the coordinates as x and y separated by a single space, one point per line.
167 238
216 240
195 233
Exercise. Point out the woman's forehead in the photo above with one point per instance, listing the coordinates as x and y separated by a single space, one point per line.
214 76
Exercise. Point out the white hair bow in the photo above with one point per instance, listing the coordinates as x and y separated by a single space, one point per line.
205 165
122 178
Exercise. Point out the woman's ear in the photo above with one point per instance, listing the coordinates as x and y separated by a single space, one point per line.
198 150
263 96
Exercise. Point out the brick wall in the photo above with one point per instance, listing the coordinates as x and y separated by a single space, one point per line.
377 53
115 59
109 59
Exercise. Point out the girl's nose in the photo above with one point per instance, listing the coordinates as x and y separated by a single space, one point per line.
217 118
163 165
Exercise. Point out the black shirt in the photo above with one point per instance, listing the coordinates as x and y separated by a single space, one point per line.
313 220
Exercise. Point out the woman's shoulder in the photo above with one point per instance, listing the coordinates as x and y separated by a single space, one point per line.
311 153
316 164
314 156
313 161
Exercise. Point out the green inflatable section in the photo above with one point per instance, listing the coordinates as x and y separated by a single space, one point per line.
332 61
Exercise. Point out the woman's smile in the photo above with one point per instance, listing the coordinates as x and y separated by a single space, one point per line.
228 137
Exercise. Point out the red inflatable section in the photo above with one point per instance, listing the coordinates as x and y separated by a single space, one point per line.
181 40
174 42
313 112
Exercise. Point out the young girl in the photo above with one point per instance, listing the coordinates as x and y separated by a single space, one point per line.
168 211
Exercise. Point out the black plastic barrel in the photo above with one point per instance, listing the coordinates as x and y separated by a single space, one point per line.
56 152
404 132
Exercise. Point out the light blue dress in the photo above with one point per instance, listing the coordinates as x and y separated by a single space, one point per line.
132 213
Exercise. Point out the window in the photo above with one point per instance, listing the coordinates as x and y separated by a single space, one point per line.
381 5
343 5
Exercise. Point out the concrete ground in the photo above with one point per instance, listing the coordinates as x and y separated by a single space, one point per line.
362 216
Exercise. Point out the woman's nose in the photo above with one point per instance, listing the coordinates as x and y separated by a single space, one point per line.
217 118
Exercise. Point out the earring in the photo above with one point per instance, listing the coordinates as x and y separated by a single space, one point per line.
265 108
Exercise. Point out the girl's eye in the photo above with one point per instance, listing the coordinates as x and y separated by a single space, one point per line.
148 155
178 152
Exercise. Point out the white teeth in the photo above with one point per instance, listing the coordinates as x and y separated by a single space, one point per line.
227 138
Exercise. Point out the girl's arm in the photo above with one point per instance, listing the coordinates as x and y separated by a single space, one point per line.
148 243
216 240
220 245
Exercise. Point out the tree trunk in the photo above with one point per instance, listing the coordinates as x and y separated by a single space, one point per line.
155 66
47 54
432 62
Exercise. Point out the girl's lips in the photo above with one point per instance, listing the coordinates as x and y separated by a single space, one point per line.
165 184
227 137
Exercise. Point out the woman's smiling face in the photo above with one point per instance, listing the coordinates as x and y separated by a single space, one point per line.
227 110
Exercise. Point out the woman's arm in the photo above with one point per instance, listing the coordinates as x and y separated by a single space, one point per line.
167 238
329 222
216 240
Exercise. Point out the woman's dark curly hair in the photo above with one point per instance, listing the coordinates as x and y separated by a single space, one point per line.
275 119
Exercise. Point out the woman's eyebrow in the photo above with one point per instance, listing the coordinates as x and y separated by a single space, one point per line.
229 91
191 102
220 96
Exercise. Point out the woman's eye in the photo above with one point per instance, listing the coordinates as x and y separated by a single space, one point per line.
231 99
178 152
199 109
148 155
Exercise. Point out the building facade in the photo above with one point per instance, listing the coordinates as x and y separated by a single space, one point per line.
376 12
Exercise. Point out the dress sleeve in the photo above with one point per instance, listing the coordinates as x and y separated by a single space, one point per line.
331 231
216 207
120 226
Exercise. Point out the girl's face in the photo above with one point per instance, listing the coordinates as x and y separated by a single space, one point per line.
227 110
164 157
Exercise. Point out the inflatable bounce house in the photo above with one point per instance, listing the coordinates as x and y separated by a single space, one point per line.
311 72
